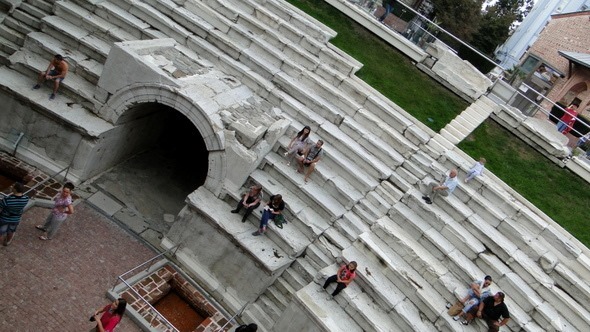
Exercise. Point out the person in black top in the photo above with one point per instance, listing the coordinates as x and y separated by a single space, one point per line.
491 309
12 208
275 206
247 328
310 159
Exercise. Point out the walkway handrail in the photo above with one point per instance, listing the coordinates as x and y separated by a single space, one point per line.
43 182
149 305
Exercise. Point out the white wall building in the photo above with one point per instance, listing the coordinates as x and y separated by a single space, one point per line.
508 55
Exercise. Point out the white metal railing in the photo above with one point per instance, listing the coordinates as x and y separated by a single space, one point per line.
67 169
368 6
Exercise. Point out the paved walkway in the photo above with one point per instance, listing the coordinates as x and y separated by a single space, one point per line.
56 285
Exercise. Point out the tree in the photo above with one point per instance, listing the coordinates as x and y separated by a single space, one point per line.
459 17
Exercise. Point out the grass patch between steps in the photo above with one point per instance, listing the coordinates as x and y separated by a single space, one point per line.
561 194
387 70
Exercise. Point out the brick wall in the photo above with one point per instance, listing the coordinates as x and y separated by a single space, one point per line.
566 32
158 284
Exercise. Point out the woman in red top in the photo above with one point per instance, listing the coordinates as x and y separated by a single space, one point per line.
112 314
568 119
344 276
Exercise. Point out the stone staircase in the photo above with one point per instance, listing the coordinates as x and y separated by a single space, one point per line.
362 203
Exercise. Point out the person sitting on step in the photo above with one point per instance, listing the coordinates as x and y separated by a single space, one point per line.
345 275
56 71
250 201
491 309
310 159
478 290
476 170
275 207
298 144
445 188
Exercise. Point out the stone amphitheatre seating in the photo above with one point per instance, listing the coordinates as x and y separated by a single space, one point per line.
362 203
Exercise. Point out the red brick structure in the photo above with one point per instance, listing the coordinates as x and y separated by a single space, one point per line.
568 32
157 285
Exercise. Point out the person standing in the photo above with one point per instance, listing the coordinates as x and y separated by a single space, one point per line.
275 207
250 201
61 210
491 309
433 189
111 316
345 275
567 119
388 5
476 170
56 71
12 207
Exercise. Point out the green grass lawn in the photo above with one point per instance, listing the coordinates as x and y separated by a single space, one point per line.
387 70
562 195
559 193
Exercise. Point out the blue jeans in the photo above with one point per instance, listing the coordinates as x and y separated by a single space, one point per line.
388 9
561 126
266 215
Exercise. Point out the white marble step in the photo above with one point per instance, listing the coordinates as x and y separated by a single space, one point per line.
373 278
74 86
446 251
254 314
372 143
305 269
326 204
294 17
277 297
47 46
62 107
306 221
26 14
37 9
269 307
327 313
11 35
293 278
355 151
8 47
385 132
77 37
96 25
317 257
121 17
18 22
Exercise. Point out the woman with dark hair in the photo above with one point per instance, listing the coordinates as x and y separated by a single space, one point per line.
275 207
250 201
298 144
346 273
61 210
112 315
247 328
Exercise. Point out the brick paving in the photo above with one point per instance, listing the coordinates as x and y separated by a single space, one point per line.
56 285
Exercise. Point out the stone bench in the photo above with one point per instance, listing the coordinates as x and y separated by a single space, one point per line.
74 86
47 46
77 37
385 291
325 204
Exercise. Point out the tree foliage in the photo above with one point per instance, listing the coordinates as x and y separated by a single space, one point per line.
459 17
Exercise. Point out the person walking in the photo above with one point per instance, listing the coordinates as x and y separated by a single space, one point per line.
250 201
12 207
111 316
568 119
61 210
345 275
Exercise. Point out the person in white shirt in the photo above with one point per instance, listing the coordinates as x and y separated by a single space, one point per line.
476 170
433 189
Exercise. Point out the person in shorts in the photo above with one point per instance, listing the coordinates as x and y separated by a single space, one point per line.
56 71
12 208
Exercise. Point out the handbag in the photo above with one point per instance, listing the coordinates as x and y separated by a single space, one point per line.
455 309
279 220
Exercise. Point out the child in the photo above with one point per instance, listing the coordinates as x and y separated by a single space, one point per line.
476 170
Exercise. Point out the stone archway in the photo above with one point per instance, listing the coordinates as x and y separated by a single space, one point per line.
209 128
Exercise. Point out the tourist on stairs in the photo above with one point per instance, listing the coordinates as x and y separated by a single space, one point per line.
433 189
346 273
298 144
250 201
12 207
310 159
275 207
56 71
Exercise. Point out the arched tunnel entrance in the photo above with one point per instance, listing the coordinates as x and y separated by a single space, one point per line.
163 159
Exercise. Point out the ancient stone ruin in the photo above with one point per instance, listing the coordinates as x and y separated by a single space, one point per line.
247 75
